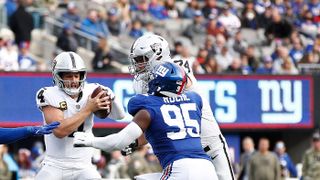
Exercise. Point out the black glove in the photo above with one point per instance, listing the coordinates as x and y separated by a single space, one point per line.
130 148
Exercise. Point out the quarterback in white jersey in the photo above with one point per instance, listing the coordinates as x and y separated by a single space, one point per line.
70 103
150 50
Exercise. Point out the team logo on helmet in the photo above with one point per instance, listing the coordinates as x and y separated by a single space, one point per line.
54 63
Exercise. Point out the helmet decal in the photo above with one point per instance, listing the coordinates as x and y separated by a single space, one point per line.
72 60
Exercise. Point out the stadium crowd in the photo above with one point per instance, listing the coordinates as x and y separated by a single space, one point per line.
237 37
252 165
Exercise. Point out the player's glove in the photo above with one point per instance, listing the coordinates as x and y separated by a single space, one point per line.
82 139
109 92
45 129
130 148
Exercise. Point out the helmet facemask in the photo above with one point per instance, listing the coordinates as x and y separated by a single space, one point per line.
63 84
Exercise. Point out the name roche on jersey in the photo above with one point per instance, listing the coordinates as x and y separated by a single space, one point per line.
180 98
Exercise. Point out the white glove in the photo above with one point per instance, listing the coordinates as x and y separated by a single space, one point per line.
109 92
82 139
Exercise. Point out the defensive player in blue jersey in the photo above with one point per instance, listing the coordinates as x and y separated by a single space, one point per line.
10 135
171 122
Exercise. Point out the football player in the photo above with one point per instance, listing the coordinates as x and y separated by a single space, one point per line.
171 122
150 50
10 135
70 103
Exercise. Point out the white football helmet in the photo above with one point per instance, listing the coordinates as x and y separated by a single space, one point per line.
147 52
68 62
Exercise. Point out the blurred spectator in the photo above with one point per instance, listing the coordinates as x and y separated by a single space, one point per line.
197 27
235 67
71 16
177 48
308 27
230 21
123 8
190 10
279 5
219 44
102 57
138 164
93 25
246 68
5 174
287 67
248 151
297 7
311 159
37 155
9 57
117 167
172 10
141 12
313 7
267 67
211 66
262 5
209 45
297 50
249 18
153 161
11 7
101 166
224 59
148 28
265 18
115 25
238 44
21 23
136 29
214 28
26 62
210 9
252 60
157 10
200 61
283 64
278 28
288 169
264 165
66 40
11 162
24 162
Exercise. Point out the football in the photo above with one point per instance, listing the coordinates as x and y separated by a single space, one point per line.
102 114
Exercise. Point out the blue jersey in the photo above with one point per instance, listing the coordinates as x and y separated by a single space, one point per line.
174 131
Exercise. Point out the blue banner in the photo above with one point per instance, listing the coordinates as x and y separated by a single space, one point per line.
243 102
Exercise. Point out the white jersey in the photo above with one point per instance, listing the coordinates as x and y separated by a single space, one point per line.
209 125
61 149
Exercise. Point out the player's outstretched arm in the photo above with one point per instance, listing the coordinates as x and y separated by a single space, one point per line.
45 129
118 140
109 143
10 135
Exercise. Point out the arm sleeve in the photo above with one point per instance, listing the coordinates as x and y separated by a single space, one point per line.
10 135
292 168
119 140
117 110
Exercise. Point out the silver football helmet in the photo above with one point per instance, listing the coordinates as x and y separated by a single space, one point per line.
68 62
147 52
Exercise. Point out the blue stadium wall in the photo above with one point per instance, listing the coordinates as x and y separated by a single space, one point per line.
243 105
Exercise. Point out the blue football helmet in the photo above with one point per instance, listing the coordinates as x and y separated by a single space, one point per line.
167 79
